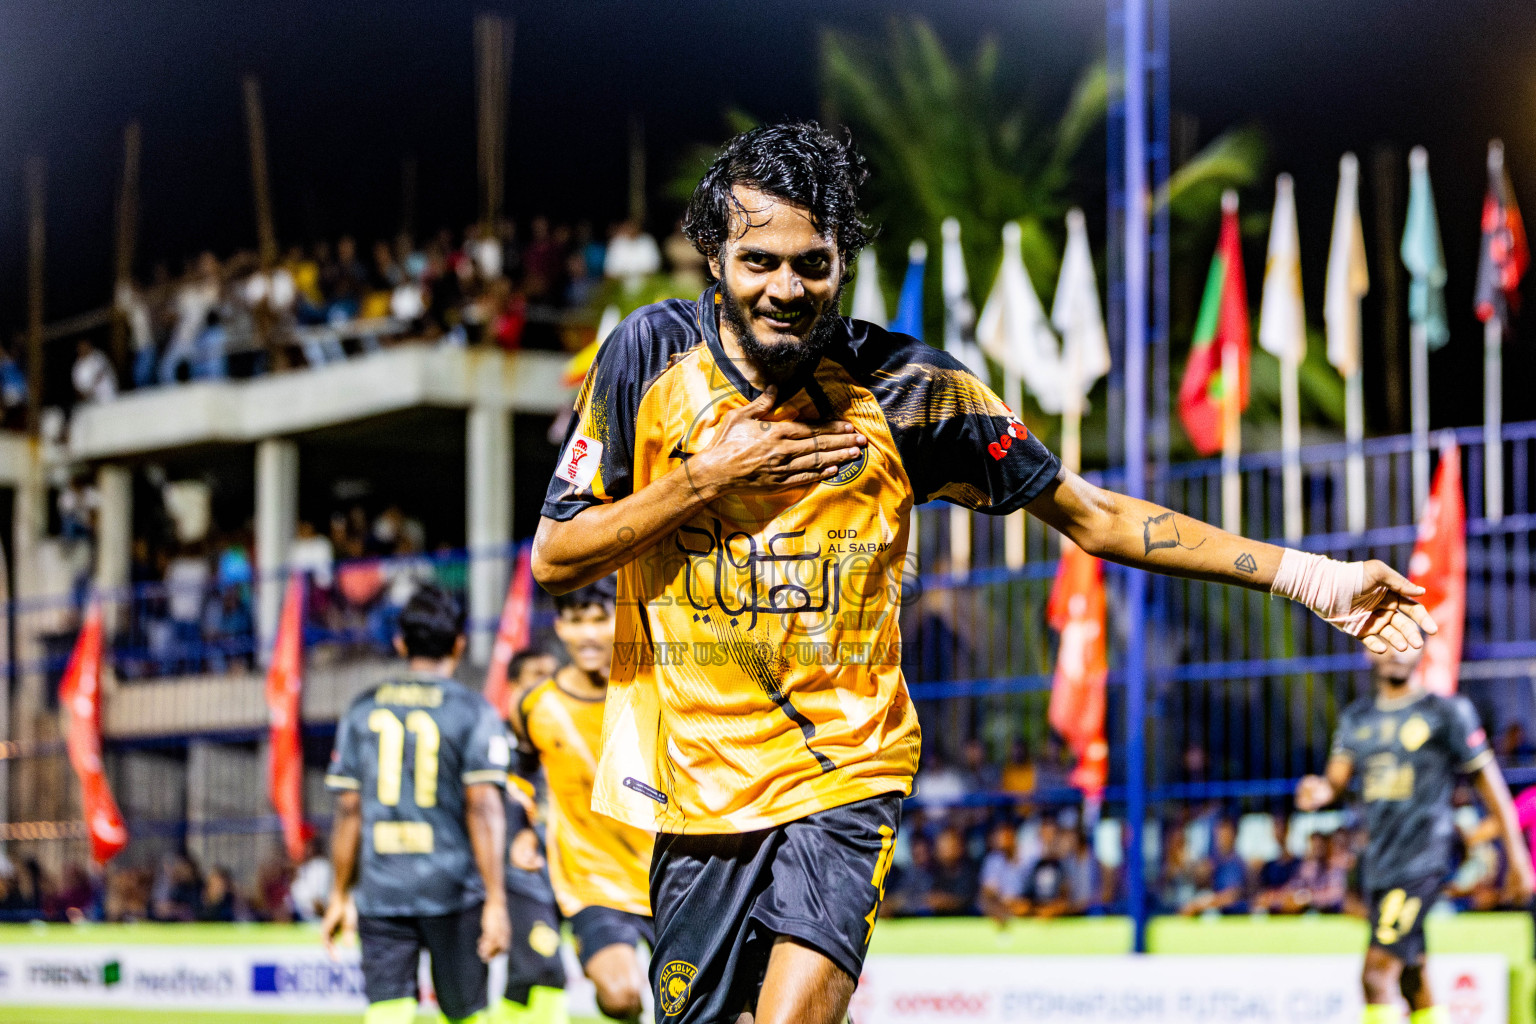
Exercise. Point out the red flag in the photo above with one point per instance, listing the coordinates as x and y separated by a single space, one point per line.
1439 565
514 633
1504 254
80 697
1077 610
285 683
1223 321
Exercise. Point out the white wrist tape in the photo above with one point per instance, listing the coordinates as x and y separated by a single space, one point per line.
1332 589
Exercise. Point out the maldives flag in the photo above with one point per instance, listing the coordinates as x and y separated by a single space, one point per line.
1223 321
1504 256
1439 565
1077 611
515 631
285 684
80 697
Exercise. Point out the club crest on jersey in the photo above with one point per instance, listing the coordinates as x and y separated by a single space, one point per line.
676 983
1414 733
1015 431
579 461
850 470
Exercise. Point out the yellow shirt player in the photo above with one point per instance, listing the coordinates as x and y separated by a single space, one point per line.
748 464
598 867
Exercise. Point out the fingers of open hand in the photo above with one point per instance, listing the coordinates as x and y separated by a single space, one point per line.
1378 573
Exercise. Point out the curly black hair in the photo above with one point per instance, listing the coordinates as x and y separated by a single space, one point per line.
799 162
603 592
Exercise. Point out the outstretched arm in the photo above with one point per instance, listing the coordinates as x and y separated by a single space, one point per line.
1365 599
1314 792
1489 782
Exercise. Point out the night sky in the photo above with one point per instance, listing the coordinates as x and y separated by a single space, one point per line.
352 88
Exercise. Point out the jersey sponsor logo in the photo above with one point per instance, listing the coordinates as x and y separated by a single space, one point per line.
1387 779
402 837
578 464
1413 734
746 581
630 782
674 987
1015 431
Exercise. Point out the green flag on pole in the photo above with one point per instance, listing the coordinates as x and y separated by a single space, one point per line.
1424 257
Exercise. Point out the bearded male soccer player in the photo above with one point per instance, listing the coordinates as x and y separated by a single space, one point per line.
419 834
748 464
599 867
1407 746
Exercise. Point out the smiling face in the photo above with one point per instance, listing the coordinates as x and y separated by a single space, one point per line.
587 633
780 284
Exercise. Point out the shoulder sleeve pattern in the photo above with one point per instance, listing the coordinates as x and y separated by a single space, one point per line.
1469 742
488 751
958 441
344 771
596 458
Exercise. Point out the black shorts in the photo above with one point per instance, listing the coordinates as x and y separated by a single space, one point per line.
721 900
596 928
534 959
1397 918
392 950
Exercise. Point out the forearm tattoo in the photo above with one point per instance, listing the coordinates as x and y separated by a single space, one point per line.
1162 531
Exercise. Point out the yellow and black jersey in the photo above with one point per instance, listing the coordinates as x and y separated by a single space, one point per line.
593 861
756 674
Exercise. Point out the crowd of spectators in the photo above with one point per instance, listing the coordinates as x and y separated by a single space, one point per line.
325 302
1010 842
177 889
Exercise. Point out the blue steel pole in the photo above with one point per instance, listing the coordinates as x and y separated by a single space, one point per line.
1136 248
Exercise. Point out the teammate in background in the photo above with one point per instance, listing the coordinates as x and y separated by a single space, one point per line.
1407 746
748 464
420 831
535 990
599 867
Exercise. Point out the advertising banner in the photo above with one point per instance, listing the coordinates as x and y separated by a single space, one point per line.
1155 989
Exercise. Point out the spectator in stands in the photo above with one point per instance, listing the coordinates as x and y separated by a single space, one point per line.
133 306
978 771
311 886
1018 775
127 897
1275 877
908 888
1047 892
1004 873
196 302
218 901
632 256
543 263
685 261
75 899
1227 892
953 889
1179 879
1320 882
1085 879
13 386
1514 748
937 782
271 901
187 580
177 894
92 374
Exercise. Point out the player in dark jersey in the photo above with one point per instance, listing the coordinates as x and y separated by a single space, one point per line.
419 835
535 990
748 464
1407 747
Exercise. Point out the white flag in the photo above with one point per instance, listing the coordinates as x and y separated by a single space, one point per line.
1077 314
868 299
1348 279
1282 320
1013 329
959 312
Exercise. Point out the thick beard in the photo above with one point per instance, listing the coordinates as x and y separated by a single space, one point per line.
779 360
